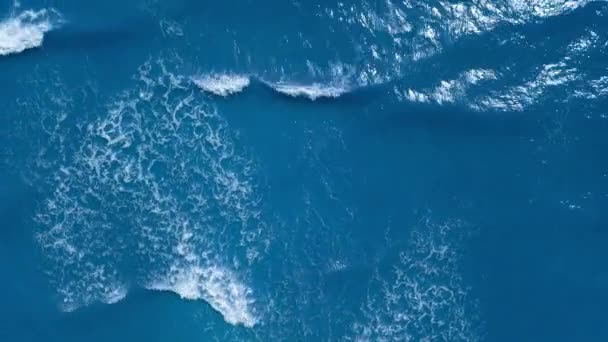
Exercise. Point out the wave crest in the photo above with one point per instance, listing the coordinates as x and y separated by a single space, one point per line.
222 84
26 30
230 84
313 91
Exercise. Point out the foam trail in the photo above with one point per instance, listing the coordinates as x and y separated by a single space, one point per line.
313 91
217 286
26 30
222 84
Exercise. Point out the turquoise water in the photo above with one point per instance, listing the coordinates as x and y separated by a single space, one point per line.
293 171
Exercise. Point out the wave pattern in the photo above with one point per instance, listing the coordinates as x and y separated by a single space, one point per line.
497 90
156 179
393 34
154 189
424 298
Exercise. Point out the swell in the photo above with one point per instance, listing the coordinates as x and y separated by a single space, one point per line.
505 79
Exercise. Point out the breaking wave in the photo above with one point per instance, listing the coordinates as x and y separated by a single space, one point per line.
313 91
229 84
26 30
222 84
217 286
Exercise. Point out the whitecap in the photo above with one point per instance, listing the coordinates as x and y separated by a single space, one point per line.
26 30
230 84
313 91
219 287
222 84
114 295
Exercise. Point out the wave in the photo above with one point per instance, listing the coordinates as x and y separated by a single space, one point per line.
222 84
26 30
229 84
312 92
216 286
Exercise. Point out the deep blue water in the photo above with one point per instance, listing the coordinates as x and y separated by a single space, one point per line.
292 171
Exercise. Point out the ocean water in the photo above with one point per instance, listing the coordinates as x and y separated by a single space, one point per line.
281 170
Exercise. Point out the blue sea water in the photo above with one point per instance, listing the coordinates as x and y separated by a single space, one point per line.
281 170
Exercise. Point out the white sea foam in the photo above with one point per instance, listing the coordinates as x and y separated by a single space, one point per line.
518 97
600 86
115 295
230 84
413 95
313 91
219 287
449 91
336 265
93 283
26 30
171 28
221 84
584 43
423 297
162 160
